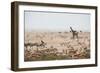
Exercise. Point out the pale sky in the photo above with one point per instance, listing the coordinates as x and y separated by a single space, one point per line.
56 21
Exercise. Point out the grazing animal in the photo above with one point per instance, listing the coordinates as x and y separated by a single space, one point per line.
74 33
80 31
42 44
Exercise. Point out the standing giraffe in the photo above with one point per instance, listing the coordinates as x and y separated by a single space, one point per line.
74 33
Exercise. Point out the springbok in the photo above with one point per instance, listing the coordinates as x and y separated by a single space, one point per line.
42 44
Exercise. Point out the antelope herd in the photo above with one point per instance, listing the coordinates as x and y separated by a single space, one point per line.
56 46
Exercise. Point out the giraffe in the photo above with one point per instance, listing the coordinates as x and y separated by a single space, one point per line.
74 33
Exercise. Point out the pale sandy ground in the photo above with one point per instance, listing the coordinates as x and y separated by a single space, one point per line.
62 41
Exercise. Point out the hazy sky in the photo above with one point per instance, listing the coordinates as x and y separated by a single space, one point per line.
56 21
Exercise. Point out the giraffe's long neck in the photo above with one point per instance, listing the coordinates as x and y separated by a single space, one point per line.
71 29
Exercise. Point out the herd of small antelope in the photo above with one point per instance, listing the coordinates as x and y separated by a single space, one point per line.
56 46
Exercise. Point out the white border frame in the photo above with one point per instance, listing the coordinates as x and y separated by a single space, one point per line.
33 64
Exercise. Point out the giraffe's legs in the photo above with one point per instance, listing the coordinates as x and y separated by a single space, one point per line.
75 34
